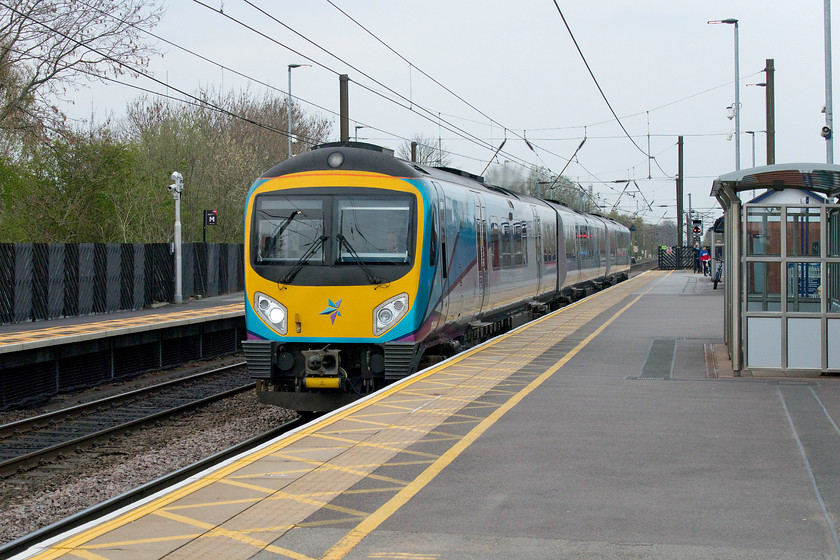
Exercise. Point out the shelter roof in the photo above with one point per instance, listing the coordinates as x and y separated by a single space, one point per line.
821 178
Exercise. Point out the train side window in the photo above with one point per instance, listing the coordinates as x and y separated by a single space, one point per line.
519 256
507 246
433 244
495 242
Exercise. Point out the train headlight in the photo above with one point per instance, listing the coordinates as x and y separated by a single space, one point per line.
388 313
272 312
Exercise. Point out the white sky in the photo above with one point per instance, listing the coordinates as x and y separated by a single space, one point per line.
656 60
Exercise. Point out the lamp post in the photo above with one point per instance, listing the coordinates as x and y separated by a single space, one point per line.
752 133
289 105
737 107
829 116
356 137
176 188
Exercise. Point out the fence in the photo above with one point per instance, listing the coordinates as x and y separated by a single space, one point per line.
46 281
676 258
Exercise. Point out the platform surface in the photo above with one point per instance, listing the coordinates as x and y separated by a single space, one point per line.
17 337
610 429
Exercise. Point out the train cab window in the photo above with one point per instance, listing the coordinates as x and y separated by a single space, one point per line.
374 229
286 228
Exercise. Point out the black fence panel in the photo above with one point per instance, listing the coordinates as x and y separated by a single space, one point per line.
7 282
163 268
23 282
40 281
46 281
676 258
86 278
126 284
200 267
71 280
55 291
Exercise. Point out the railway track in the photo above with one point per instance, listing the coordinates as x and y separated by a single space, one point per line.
22 544
35 441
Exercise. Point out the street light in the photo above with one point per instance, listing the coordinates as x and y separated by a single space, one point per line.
176 188
752 133
737 107
356 138
289 104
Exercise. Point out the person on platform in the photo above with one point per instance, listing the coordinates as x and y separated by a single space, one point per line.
706 261
697 265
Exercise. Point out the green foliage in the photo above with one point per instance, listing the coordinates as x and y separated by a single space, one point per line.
109 185
77 189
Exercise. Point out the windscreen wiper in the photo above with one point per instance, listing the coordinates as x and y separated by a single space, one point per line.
317 244
372 278
278 231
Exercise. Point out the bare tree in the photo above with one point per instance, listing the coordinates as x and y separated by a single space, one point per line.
428 150
50 46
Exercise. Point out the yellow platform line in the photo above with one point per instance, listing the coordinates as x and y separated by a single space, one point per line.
363 529
74 543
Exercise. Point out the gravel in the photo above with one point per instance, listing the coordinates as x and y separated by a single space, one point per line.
50 493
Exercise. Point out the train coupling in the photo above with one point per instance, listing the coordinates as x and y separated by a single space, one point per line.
322 369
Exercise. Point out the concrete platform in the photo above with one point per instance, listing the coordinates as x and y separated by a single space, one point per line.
608 429
19 337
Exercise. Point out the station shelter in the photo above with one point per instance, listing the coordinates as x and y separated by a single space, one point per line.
782 272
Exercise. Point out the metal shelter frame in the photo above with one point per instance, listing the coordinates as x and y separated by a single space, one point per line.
820 178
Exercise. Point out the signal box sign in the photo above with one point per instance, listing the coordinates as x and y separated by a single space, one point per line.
210 217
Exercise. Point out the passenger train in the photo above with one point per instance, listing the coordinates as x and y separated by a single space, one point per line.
360 268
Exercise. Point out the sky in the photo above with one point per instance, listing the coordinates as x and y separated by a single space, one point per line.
505 69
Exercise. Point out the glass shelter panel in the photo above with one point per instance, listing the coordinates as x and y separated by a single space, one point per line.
833 232
764 286
803 287
803 232
763 231
833 287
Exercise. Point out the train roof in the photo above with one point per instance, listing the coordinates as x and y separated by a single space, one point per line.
361 156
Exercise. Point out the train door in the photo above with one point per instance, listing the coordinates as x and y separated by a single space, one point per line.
538 257
481 249
442 274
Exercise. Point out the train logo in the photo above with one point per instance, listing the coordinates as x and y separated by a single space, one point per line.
332 310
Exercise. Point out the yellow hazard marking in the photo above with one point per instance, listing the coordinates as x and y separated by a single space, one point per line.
363 529
160 505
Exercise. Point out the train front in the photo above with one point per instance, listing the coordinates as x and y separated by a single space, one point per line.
332 255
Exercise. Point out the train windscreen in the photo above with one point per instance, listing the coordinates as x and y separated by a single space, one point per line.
374 229
296 230
288 227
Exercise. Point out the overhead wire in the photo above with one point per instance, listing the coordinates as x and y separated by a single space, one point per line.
140 72
247 77
591 73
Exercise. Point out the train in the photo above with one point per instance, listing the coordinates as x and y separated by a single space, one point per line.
362 268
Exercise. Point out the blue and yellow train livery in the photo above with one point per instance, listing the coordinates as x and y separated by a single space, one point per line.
361 268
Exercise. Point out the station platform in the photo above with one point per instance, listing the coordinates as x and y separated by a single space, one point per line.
608 429
17 337
42 360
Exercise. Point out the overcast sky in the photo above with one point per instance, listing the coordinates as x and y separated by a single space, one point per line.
664 70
